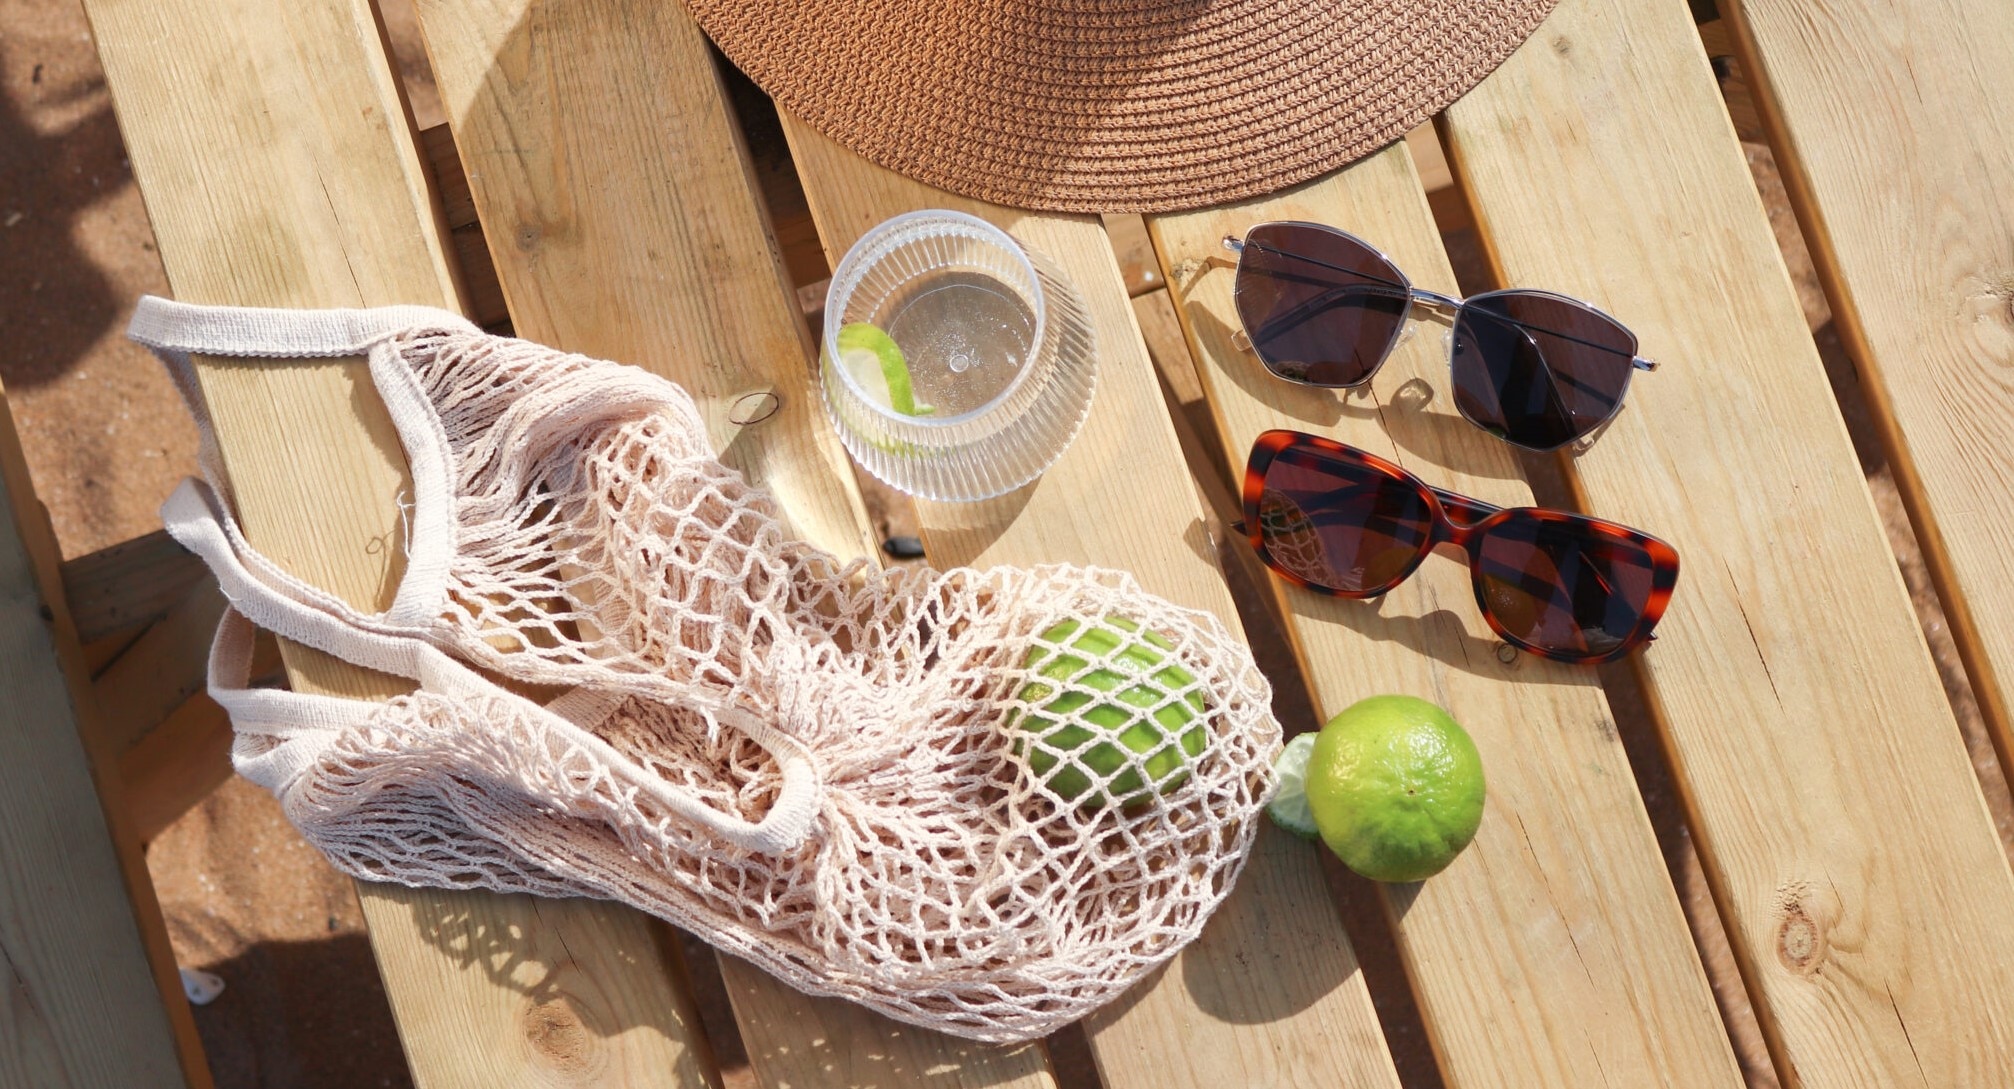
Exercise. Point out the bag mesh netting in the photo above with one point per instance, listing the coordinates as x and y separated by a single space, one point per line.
984 802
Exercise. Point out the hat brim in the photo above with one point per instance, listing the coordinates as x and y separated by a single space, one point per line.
1092 106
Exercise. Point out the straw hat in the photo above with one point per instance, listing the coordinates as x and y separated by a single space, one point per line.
1116 105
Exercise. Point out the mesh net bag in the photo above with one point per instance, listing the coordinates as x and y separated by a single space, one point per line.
979 801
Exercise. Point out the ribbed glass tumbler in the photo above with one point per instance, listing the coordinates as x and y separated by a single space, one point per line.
956 365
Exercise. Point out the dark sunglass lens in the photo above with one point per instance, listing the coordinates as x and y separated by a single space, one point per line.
1562 587
1536 369
1320 308
1339 523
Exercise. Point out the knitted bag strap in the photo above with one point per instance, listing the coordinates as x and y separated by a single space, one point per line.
177 331
195 517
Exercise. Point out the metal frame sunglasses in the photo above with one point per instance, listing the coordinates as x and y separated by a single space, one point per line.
1322 307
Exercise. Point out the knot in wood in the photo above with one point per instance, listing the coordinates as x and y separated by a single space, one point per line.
1800 936
558 1036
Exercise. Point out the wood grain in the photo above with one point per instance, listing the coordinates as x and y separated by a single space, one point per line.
1270 994
1138 269
160 671
1553 952
612 183
175 766
89 995
1161 331
605 164
130 583
798 1042
535 991
1904 203
275 156
1841 826
280 169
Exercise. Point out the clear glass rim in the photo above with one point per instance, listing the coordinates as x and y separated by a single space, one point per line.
845 279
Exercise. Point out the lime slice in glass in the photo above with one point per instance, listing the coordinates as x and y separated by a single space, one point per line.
1289 807
875 361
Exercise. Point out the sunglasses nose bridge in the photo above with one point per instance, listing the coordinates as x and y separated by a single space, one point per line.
1445 530
1450 534
1464 512
1434 300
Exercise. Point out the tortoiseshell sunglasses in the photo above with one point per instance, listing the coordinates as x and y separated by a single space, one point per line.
1336 520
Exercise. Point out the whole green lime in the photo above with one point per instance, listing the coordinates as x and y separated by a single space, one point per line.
1396 787
1116 692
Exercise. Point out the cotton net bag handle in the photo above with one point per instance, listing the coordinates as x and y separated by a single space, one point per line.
305 725
296 728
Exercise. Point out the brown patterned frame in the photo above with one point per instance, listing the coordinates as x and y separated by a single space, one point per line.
1463 522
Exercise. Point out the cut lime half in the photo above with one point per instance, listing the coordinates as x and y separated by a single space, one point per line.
875 361
1289 807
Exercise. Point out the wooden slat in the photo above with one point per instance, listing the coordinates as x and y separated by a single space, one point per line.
108 647
624 226
481 293
1270 994
605 164
794 1040
533 991
169 766
1161 331
1195 432
89 995
273 152
1841 826
1905 206
160 671
1134 252
133 582
175 766
279 168
1553 952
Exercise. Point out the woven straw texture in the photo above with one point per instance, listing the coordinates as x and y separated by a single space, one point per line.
975 846
1116 105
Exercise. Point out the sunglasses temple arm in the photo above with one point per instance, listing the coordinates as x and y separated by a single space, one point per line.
1239 248
1637 361
1371 286
1321 304
1336 295
1552 380
1430 298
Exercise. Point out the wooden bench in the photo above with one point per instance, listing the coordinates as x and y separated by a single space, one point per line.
1822 775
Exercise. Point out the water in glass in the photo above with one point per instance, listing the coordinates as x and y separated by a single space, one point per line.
964 335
